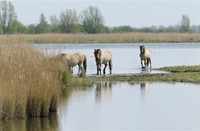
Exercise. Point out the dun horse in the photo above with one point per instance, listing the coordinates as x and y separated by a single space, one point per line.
103 57
145 56
73 59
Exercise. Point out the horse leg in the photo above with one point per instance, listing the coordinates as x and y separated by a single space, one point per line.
80 68
104 70
150 62
145 63
98 69
142 64
71 70
110 66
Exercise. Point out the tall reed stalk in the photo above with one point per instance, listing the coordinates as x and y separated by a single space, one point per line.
29 84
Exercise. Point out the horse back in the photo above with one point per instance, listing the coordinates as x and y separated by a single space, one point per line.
147 53
71 59
106 56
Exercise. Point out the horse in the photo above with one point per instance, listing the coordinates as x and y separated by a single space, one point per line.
103 57
145 55
73 59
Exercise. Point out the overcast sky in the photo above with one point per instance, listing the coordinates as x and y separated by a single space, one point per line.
136 13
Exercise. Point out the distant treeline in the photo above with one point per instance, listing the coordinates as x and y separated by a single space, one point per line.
88 21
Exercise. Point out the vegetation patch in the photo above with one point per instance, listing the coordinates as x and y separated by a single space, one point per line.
104 38
176 74
179 69
30 86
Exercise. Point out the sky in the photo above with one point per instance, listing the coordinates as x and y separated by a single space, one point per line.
136 13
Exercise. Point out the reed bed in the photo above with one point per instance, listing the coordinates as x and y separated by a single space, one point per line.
105 38
30 86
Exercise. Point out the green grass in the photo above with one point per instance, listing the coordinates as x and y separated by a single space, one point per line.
176 74
179 69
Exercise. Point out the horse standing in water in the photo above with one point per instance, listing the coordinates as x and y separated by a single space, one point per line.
73 59
103 57
145 56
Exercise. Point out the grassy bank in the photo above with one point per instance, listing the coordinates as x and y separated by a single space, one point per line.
104 38
30 86
176 74
182 69
171 77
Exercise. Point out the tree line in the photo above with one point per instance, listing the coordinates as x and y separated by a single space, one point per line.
89 21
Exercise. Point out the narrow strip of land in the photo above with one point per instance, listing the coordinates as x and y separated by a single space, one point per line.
176 74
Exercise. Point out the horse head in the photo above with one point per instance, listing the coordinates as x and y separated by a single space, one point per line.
97 54
142 49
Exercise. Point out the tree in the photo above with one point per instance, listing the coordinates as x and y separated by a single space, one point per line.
195 28
69 21
124 28
8 17
32 29
92 20
54 23
43 25
21 28
185 24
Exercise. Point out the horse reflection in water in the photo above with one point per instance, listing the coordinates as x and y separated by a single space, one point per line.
146 70
145 56
144 87
103 92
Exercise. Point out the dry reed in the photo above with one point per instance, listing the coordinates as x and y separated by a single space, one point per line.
30 85
104 38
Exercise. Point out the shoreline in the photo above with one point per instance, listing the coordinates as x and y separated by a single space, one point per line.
187 74
157 77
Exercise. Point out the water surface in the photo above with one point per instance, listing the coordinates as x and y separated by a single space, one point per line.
126 56
121 106
126 106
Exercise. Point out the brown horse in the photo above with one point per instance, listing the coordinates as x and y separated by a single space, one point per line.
73 59
103 57
145 56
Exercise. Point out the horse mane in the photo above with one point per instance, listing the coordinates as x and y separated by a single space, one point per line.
142 49
100 53
62 54
96 52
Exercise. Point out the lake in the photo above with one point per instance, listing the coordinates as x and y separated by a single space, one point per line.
126 56
132 106
121 106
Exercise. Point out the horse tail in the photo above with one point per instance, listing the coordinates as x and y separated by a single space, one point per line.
85 64
110 66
